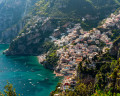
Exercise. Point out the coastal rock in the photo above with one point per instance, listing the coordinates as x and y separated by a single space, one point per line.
30 43
31 38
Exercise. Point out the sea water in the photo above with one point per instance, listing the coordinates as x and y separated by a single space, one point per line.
28 77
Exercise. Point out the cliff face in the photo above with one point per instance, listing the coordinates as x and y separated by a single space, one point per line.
8 35
11 12
34 32
30 42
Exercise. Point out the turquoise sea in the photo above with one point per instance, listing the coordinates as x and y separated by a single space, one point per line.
25 73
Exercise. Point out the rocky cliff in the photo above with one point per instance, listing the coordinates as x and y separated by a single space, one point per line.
8 35
11 13
32 37
30 41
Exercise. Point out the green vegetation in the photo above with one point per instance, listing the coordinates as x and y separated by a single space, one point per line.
52 58
106 74
105 82
116 33
102 93
60 11
9 91
101 80
56 90
116 41
71 8
68 9
48 46
117 1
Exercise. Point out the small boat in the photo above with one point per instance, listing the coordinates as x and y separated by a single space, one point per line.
46 78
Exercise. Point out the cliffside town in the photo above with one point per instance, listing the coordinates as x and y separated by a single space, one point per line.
58 34
12 20
76 45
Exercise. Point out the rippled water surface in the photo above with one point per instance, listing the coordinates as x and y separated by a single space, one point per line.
26 74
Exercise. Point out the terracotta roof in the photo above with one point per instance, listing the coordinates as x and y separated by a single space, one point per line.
66 84
78 60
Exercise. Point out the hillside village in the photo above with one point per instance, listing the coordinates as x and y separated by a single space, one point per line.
79 45
79 40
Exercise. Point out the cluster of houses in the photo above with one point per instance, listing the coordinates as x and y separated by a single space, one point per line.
112 21
76 46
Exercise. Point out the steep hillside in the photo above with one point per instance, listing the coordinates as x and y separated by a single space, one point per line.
74 8
62 13
11 12
92 10
30 41
9 34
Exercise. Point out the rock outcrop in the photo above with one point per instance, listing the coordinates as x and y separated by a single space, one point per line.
11 14
34 33
30 43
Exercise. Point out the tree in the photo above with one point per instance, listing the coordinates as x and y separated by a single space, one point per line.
9 91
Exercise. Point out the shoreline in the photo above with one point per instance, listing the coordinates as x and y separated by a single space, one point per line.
66 79
41 58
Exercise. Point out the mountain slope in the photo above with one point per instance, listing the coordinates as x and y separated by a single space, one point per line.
61 12
11 12
75 8
92 10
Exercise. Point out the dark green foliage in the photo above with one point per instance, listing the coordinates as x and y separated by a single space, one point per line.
106 75
70 8
51 58
102 93
47 46
9 91
56 90
116 33
81 89
93 10
106 81
84 70
102 44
